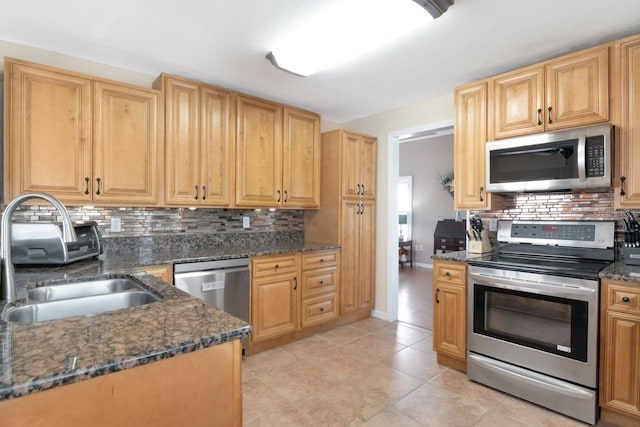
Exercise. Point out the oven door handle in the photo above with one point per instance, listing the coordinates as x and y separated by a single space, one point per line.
535 288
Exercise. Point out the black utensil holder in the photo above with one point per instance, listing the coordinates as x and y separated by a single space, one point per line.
631 256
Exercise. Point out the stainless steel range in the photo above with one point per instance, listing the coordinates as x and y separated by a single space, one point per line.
533 313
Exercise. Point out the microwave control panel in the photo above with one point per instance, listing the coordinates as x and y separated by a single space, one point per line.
595 156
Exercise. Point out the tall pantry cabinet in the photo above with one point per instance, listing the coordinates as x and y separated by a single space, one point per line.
347 214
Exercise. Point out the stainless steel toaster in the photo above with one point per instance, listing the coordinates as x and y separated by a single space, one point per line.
43 244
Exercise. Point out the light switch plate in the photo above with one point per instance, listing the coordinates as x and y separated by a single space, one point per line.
246 221
116 225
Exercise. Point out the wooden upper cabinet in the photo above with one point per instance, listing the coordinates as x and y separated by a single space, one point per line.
517 102
79 138
470 137
577 89
566 92
259 153
359 155
200 148
626 96
127 154
48 136
301 159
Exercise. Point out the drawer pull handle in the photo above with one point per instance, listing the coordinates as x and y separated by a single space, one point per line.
447 274
321 282
626 299
276 266
321 259
438 296
321 308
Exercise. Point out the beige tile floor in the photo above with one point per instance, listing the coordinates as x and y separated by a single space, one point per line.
415 301
375 374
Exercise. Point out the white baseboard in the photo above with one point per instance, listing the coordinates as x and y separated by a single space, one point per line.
424 265
380 315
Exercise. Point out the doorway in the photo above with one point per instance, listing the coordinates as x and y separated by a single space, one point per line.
418 278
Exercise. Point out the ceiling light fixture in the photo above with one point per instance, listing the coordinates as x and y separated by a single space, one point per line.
435 7
343 30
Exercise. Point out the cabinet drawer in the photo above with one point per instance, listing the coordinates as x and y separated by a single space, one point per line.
623 298
319 259
318 310
450 273
318 282
274 265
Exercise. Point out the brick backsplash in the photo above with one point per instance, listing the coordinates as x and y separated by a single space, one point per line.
145 221
560 206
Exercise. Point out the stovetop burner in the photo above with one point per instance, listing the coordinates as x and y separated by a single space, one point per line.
578 249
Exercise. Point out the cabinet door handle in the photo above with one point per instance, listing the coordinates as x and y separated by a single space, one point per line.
549 110
276 266
321 259
539 116
86 185
286 196
98 180
626 299
362 191
204 192
438 296
322 282
195 195
622 180
278 198
448 274
481 190
295 286
321 308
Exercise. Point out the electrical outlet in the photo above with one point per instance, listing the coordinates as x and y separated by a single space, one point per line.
246 222
493 224
116 225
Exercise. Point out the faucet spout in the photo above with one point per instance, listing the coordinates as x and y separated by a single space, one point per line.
8 289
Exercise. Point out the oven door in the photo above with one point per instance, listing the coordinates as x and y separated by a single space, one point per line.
544 323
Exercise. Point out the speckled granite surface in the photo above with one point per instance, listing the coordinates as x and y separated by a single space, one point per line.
620 271
47 354
462 256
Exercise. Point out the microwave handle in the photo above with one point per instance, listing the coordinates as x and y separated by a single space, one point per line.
582 159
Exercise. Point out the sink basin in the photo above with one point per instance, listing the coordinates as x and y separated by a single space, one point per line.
81 306
86 288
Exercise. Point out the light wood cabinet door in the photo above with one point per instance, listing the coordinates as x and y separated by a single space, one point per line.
126 151
350 249
517 102
48 136
470 137
274 306
358 166
301 159
162 272
577 89
449 320
626 105
620 388
217 147
182 139
367 254
259 153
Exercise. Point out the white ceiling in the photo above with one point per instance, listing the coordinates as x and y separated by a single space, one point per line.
224 42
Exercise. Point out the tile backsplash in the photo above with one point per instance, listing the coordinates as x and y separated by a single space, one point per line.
592 206
146 221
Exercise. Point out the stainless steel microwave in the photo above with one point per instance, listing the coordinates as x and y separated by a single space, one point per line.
563 160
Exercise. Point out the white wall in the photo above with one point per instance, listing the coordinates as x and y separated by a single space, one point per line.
425 160
435 110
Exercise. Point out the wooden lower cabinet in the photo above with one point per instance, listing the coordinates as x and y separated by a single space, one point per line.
162 272
450 313
620 352
293 295
274 297
201 388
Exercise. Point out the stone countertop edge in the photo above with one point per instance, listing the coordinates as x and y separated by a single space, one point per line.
623 272
460 256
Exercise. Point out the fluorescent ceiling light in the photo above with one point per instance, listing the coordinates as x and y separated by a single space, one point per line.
343 30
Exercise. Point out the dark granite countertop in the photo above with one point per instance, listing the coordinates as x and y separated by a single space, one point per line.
43 355
621 271
461 256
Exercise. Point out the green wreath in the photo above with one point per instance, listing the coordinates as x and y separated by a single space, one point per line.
446 181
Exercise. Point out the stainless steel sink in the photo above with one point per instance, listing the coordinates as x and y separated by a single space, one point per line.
64 299
82 306
83 289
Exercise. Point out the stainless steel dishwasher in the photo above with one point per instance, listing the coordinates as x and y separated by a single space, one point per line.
221 284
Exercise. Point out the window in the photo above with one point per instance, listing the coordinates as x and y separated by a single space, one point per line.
405 195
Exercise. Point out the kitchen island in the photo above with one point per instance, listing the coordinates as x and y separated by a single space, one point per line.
175 361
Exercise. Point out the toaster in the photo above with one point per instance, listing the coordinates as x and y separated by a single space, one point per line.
43 244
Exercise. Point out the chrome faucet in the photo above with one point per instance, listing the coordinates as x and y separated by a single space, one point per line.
8 289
